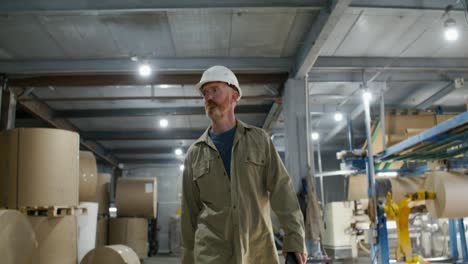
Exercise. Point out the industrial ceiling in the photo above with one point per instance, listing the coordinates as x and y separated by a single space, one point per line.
74 64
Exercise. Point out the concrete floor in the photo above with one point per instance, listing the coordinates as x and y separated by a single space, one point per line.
166 259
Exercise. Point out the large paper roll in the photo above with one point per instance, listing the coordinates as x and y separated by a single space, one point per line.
88 177
451 194
57 239
115 254
357 187
87 229
132 232
402 186
136 197
38 167
18 243
103 184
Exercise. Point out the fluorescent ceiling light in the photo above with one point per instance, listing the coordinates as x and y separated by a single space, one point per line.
338 116
144 70
163 123
315 136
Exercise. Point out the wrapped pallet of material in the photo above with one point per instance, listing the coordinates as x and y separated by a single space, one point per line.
136 197
88 177
18 243
132 232
38 167
451 194
57 237
115 254
101 232
103 185
87 229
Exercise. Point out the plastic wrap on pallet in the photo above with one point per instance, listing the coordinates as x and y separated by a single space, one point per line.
18 243
87 229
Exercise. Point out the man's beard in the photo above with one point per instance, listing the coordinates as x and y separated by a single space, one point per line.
216 111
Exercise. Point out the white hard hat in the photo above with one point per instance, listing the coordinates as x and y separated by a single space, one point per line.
219 74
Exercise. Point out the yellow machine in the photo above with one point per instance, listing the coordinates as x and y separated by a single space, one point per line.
400 213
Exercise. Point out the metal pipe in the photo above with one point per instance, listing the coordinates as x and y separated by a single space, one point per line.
350 132
319 160
371 179
382 117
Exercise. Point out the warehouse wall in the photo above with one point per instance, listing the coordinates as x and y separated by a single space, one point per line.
169 189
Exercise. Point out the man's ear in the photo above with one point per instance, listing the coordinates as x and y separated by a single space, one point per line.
235 95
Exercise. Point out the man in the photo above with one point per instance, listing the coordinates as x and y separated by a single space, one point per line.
232 175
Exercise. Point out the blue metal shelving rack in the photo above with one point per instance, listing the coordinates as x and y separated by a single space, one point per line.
434 134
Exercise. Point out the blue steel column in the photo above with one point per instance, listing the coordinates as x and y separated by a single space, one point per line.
453 239
383 237
461 231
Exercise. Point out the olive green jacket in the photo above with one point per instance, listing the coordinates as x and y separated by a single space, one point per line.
228 221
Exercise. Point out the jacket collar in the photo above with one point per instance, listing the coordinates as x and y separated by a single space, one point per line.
241 130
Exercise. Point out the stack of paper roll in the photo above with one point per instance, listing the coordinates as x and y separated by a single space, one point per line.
57 239
88 177
115 254
38 167
102 231
451 189
136 197
18 243
103 186
132 232
87 229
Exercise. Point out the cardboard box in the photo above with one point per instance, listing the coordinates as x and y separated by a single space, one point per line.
38 167
101 232
18 243
115 254
88 177
103 185
132 232
57 239
136 197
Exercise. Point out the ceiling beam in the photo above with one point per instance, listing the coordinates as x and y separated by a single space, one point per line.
152 161
169 134
92 113
405 4
318 34
43 112
156 79
44 6
133 98
386 63
164 65
446 90
152 150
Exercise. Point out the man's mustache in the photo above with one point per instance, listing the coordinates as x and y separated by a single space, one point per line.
211 104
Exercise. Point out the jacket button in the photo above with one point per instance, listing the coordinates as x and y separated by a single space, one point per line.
234 207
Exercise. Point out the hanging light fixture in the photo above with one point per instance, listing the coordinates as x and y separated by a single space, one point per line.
450 30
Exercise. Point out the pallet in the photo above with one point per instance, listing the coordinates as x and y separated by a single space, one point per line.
54 210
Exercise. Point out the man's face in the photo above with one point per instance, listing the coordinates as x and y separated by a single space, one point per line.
219 99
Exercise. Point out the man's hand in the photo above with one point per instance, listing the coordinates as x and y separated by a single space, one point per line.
300 257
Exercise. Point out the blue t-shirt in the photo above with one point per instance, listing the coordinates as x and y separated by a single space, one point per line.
223 142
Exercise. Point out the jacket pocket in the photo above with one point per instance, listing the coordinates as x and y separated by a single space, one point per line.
200 170
256 158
